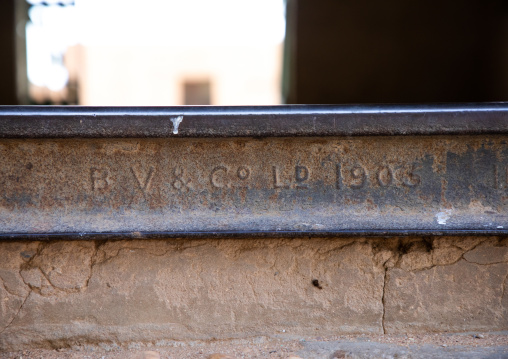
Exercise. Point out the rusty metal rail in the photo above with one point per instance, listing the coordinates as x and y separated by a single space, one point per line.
81 172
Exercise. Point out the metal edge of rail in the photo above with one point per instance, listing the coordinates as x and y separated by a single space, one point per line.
249 234
244 121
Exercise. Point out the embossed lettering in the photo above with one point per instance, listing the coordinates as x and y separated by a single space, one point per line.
384 176
243 173
144 185
301 175
358 177
276 180
216 179
409 178
180 182
99 179
337 176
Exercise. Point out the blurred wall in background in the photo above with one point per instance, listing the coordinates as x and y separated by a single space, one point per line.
229 52
178 75
13 70
155 52
396 51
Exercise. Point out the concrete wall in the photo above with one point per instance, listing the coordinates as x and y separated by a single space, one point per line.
64 293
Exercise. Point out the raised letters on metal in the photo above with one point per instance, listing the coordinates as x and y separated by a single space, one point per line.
174 186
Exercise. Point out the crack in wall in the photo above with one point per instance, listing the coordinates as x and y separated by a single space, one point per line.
394 246
93 261
106 257
484 264
17 313
398 255
41 263
383 300
401 254
7 290
29 264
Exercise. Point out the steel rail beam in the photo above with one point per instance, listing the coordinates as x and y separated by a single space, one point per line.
269 121
157 172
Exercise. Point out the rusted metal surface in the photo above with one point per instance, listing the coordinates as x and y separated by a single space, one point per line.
155 182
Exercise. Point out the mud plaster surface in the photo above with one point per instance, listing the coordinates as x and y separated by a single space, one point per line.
61 294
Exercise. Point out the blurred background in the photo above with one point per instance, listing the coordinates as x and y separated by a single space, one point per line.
252 52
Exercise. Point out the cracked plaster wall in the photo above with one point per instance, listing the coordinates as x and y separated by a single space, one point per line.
65 293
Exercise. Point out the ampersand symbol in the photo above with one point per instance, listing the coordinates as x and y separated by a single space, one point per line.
180 183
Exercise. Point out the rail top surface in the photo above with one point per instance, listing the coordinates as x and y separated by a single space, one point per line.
252 121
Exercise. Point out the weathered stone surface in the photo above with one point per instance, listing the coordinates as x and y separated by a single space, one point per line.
57 294
220 356
60 267
439 290
490 252
375 350
13 291
153 290
148 355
